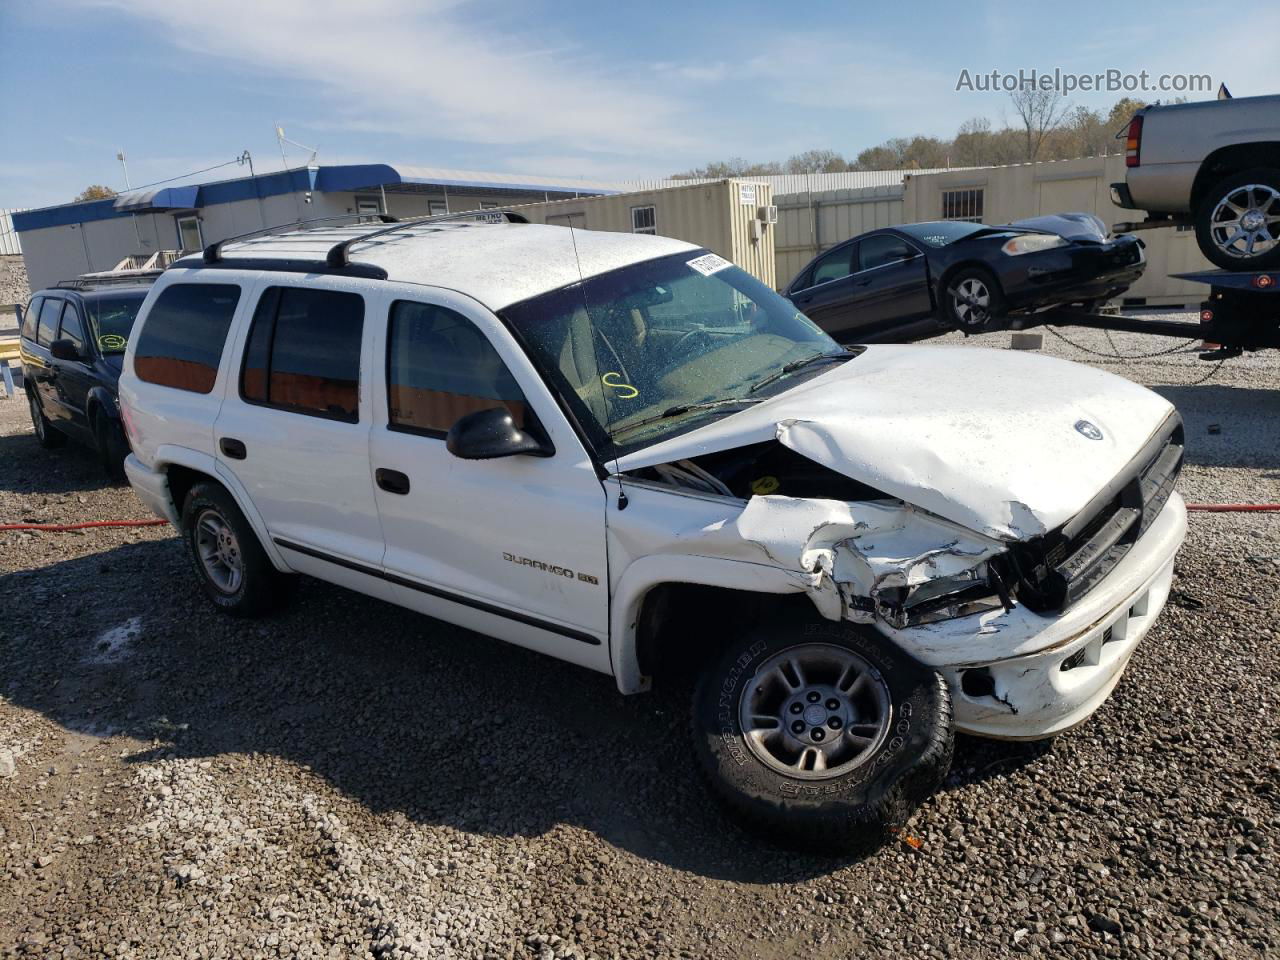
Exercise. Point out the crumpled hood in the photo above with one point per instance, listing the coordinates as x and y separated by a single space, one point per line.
1069 226
996 441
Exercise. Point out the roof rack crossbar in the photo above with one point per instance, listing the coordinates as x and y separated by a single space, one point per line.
337 257
135 277
213 252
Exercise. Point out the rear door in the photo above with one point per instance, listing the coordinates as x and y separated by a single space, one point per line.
893 283
514 546
40 367
293 428
830 297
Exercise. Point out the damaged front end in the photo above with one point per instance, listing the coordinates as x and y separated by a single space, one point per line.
861 554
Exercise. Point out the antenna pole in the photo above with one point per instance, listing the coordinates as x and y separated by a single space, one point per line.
125 164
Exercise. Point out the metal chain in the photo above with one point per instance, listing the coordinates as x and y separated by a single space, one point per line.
1184 346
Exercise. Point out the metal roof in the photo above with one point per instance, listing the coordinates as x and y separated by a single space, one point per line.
158 198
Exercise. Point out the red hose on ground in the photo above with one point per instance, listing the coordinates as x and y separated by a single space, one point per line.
60 527
1235 507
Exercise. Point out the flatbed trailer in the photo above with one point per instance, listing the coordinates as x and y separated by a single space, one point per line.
1242 313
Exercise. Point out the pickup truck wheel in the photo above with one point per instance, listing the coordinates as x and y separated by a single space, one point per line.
973 299
47 435
825 738
230 563
1238 221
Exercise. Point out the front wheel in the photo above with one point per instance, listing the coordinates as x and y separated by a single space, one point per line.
972 299
112 445
825 736
1238 221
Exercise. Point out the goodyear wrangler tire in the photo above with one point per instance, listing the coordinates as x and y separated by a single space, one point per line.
823 735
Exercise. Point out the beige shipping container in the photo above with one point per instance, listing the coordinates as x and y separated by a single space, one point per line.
725 217
1067 186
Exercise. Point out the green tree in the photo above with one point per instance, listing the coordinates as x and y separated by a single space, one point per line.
95 192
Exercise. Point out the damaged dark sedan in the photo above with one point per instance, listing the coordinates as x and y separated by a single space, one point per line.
921 279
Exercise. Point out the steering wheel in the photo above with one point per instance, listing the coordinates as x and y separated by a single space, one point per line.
686 338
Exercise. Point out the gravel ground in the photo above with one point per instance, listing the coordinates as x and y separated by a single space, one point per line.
347 779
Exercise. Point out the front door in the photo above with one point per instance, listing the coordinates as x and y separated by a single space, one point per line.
292 428
513 546
74 377
894 284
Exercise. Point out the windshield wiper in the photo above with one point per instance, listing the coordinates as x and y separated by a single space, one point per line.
795 365
681 409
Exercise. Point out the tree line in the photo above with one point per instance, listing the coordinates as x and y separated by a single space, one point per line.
1043 127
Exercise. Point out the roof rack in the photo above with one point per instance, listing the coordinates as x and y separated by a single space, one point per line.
108 279
213 252
337 257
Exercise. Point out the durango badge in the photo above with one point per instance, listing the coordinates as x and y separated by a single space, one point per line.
1088 429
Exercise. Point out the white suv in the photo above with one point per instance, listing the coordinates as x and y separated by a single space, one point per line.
628 453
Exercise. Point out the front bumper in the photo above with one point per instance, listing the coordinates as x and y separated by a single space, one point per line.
1021 675
1078 272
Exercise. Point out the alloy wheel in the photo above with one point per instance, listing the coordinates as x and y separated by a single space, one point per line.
815 711
1246 222
971 302
219 551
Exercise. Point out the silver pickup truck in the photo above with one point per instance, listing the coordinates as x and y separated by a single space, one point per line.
1214 163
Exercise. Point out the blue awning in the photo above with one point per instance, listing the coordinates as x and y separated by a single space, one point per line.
160 198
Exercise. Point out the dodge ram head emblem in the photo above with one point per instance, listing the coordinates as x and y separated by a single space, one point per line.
1088 429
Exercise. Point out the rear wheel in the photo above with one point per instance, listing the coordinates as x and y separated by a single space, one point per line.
47 435
825 736
233 569
1238 221
972 300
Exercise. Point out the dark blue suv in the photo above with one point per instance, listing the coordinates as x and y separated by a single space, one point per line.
73 341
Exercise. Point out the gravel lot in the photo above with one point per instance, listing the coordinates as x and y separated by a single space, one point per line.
348 779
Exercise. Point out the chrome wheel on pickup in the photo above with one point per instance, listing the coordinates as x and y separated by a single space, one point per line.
821 734
1238 223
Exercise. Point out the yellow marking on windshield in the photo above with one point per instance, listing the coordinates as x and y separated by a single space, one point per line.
619 386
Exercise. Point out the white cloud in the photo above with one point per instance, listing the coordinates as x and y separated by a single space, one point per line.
421 68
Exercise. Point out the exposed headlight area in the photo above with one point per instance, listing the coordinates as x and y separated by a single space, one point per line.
978 590
1032 243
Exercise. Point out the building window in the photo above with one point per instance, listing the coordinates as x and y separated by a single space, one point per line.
182 338
189 233
644 220
303 353
962 205
368 207
437 208
440 367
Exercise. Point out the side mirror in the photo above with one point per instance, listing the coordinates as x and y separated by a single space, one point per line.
64 350
490 434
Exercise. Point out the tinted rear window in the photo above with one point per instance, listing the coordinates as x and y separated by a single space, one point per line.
182 339
29 317
303 352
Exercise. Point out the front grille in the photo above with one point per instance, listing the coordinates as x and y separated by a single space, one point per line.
1054 571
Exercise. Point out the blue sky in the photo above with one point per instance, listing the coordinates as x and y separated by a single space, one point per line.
574 89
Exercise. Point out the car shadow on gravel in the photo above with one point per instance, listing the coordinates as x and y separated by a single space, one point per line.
1228 426
29 468
398 712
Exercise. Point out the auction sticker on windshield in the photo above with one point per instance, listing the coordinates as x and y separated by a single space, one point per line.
709 263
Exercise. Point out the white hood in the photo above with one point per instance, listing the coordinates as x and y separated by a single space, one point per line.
985 438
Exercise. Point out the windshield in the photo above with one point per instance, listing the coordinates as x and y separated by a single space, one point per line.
112 319
636 351
941 232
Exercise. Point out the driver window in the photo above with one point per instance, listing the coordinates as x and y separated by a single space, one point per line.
833 266
440 367
881 250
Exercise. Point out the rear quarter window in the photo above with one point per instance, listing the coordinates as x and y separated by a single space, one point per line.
183 335
29 317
